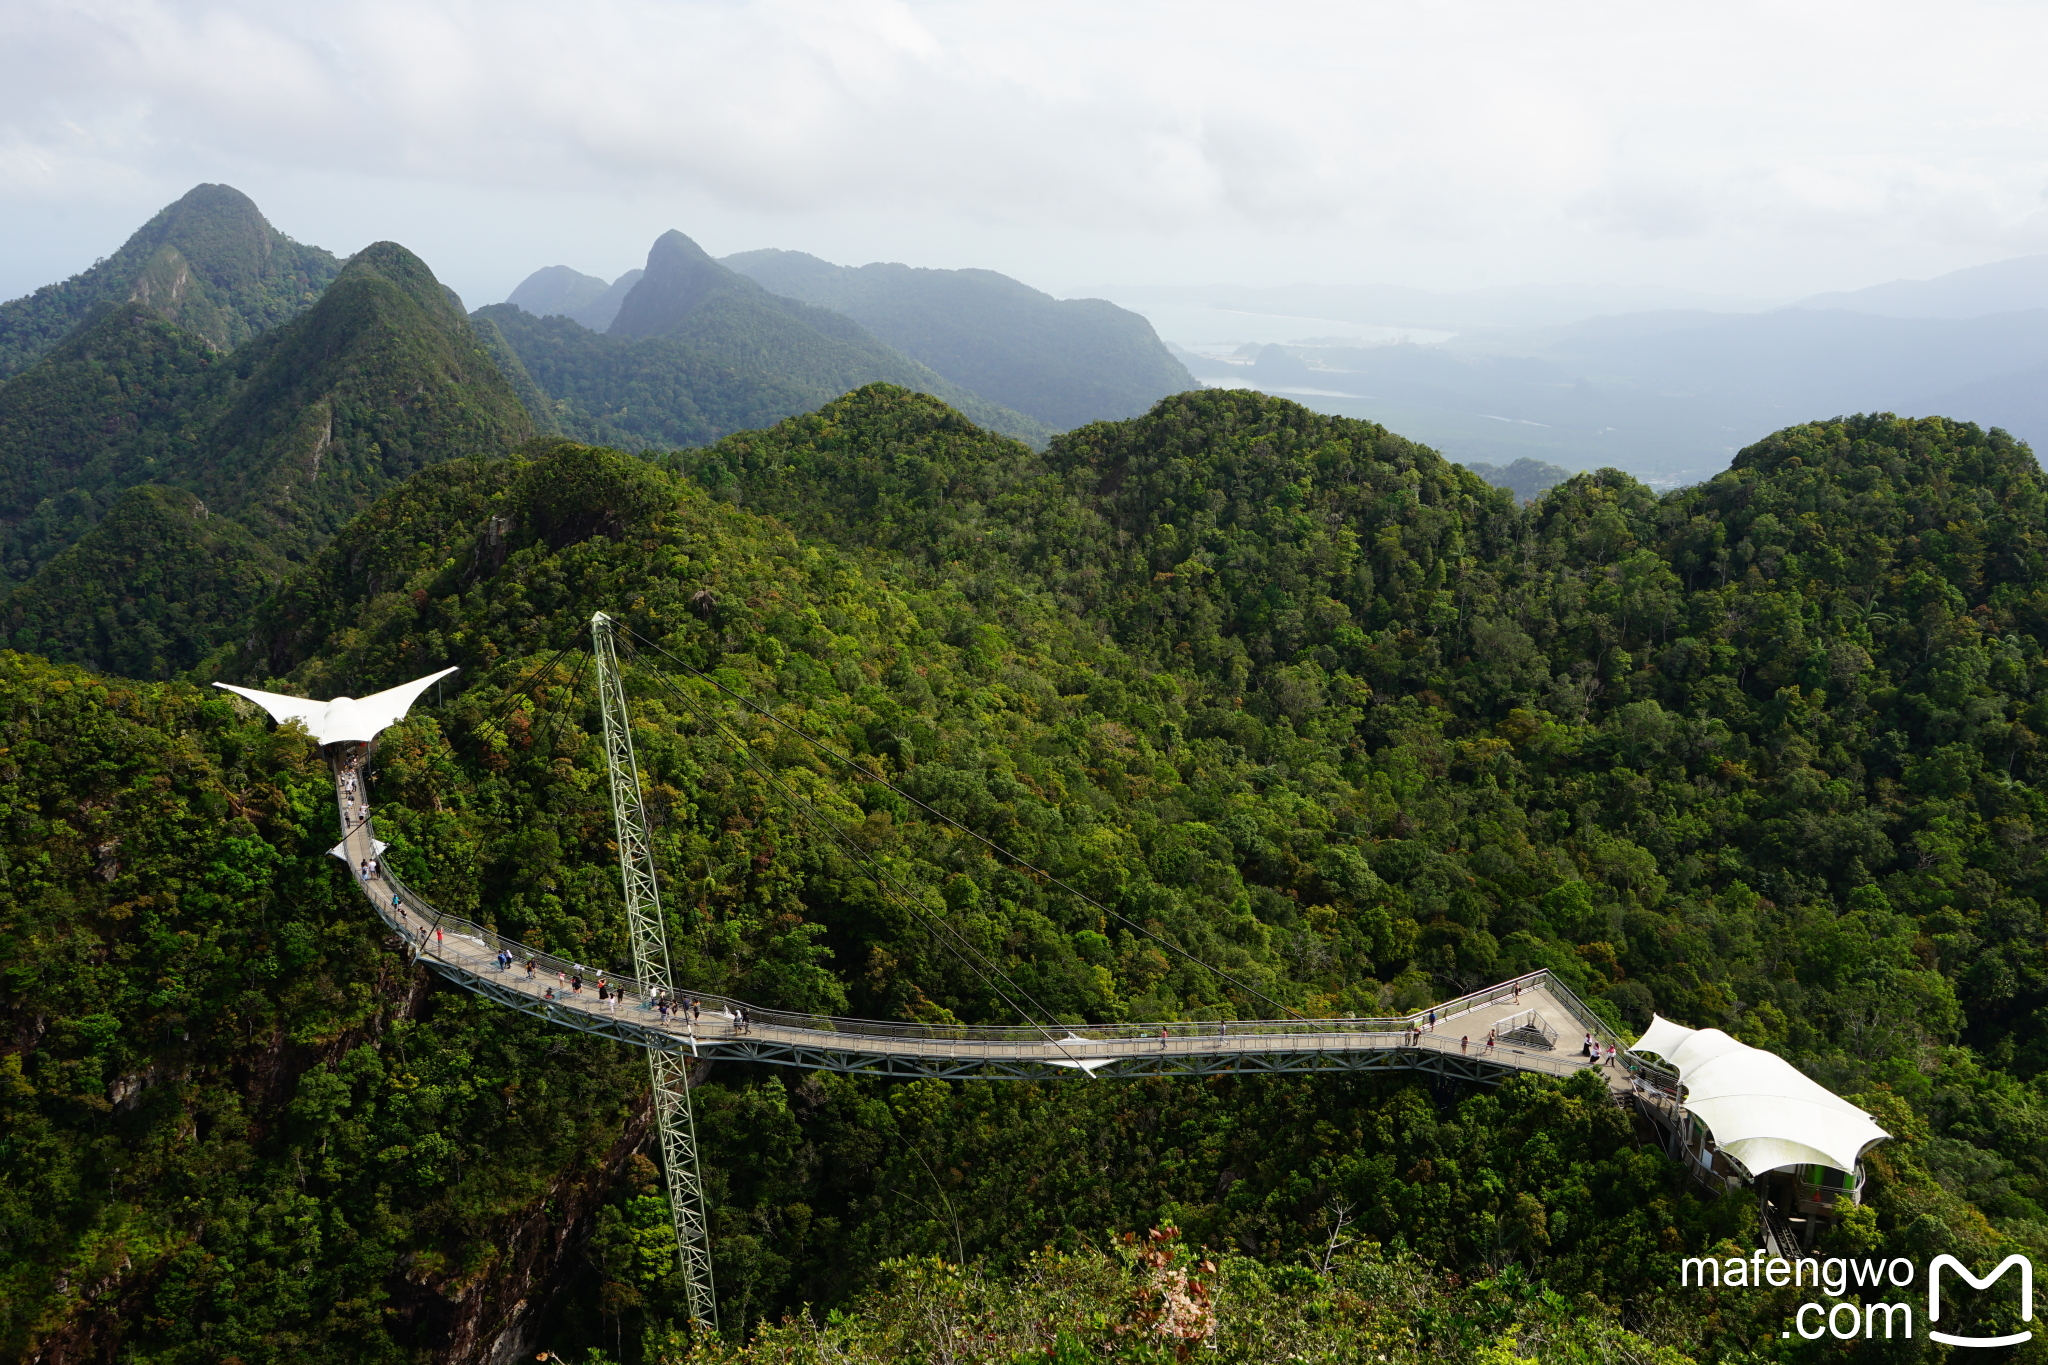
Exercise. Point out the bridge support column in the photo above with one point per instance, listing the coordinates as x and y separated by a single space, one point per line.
674 1117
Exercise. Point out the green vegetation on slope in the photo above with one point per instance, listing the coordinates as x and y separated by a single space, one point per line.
1064 361
231 1124
210 263
381 378
1156 1299
112 408
1286 689
640 395
148 591
289 436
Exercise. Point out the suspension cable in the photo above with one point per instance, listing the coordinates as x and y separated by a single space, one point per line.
974 834
504 711
558 715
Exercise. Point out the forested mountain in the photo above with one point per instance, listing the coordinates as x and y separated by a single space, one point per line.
639 395
148 591
211 263
287 437
697 351
559 291
1067 362
1289 689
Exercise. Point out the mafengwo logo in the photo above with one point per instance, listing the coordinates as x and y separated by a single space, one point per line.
1851 1320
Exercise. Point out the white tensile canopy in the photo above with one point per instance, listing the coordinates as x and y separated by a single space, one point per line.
1762 1110
355 719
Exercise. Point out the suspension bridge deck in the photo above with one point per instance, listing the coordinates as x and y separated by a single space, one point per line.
1517 1013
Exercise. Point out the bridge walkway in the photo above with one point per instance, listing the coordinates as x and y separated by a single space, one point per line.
468 954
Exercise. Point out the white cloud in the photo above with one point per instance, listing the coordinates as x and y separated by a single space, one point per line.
1591 130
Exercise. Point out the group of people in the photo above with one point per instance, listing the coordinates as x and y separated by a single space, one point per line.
354 811
688 1009
354 808
1595 1051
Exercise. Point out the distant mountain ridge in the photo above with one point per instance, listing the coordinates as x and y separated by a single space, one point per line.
558 291
697 351
1067 362
210 262
2009 286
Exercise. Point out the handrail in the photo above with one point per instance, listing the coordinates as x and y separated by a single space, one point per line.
422 914
418 921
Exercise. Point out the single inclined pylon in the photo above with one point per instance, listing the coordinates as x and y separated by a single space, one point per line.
669 1069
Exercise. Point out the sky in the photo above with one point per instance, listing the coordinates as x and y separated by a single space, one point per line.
1765 149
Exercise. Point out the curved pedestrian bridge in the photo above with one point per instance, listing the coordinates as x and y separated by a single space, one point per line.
1539 1025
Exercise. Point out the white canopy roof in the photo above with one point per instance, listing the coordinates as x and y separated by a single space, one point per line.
344 718
1762 1110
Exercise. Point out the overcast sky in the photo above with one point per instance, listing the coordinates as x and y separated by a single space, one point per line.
1771 148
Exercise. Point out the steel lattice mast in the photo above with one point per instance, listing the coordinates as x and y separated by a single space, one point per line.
670 1069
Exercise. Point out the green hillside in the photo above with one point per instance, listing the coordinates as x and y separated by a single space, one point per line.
210 263
1066 362
640 395
1286 689
111 408
287 437
381 378
148 591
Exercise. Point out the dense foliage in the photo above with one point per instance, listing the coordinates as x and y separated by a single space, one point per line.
286 438
1155 1299
1064 361
232 1125
147 593
210 263
110 409
1283 688
648 394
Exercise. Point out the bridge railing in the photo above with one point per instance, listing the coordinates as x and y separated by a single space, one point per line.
427 929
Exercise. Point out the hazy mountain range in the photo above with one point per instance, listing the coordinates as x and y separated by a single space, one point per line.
206 406
1060 362
1665 391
